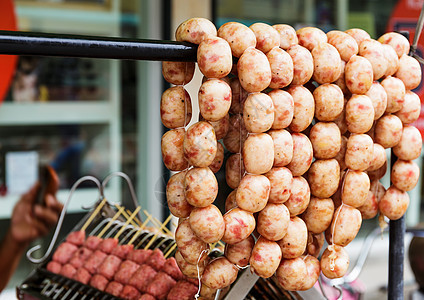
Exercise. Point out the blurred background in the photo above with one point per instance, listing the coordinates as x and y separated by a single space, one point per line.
96 116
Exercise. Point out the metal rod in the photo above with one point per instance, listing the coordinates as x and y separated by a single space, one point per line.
46 44
396 252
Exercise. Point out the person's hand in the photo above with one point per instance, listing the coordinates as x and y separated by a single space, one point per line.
31 221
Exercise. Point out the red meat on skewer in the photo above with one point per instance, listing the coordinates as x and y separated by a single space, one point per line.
92 242
122 250
129 292
114 288
54 267
76 237
64 252
109 266
160 285
80 256
68 270
171 268
99 282
183 290
142 277
126 271
139 255
107 245
146 297
156 260
82 275
94 261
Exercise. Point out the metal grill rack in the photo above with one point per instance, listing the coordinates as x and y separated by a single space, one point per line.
27 43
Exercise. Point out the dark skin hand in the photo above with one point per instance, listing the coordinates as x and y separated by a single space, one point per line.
29 221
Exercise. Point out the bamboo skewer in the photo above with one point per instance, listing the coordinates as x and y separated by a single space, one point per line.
127 216
170 250
139 231
116 216
93 215
161 228
128 222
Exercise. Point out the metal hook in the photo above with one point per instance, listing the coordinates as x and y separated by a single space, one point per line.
129 183
60 221
340 297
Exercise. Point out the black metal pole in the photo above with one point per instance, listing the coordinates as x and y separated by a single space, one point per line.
44 44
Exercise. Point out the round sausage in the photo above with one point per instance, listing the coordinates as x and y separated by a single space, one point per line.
358 75
175 107
219 273
346 223
239 224
300 195
304 108
283 147
230 202
374 52
303 64
265 258
327 63
392 60
358 34
283 108
334 262
287 34
281 65
359 152
329 102
201 187
388 131
410 144
200 144
190 270
239 37
405 174
395 90
178 72
326 140
310 37
359 114
370 208
234 170
195 30
254 70
319 214
258 153
216 165
314 269
344 43
411 109
378 97
302 154
266 36
379 157
207 223
281 180
236 132
192 249
292 274
394 203
221 127
273 221
258 113
409 72
355 188
397 41
177 202
323 177
293 244
253 192
214 57
173 150
214 99
239 253
379 173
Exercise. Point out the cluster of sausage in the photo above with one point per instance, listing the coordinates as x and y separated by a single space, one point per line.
307 117
121 270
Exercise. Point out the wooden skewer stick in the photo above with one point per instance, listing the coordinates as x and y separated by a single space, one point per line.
127 222
135 219
93 215
170 250
127 216
139 231
160 229
116 216
165 230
